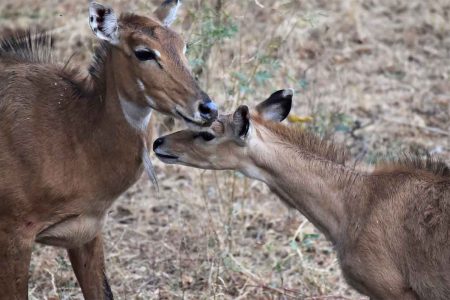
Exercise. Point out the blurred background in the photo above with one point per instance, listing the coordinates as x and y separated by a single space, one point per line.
373 75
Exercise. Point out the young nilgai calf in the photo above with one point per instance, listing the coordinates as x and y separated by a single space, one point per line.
70 144
390 227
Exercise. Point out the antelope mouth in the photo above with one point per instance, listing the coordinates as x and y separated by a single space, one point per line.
189 120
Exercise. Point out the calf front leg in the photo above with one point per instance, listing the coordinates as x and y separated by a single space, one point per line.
15 255
89 267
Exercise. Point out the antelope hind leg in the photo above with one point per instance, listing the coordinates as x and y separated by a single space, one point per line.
89 267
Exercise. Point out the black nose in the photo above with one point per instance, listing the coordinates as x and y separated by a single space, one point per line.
208 110
158 142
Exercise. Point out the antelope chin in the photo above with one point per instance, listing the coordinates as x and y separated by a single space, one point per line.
193 124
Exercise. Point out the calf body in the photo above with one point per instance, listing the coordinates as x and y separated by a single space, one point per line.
390 227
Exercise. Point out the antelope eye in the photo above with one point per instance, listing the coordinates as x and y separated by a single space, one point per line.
187 46
206 136
146 54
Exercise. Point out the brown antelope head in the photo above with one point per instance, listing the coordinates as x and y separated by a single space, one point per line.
148 65
230 139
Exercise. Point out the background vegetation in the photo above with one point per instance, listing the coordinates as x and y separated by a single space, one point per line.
372 74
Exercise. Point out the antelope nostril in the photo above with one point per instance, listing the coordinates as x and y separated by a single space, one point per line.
204 109
158 142
208 110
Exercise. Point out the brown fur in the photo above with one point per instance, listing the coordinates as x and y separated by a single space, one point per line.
27 46
67 150
390 227
306 142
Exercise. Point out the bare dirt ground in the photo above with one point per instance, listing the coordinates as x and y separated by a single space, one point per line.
373 74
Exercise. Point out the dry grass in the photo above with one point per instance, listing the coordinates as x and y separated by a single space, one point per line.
375 74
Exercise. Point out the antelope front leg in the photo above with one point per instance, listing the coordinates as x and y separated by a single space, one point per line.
15 255
88 265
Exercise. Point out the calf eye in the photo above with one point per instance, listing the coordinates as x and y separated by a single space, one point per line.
206 136
187 46
146 54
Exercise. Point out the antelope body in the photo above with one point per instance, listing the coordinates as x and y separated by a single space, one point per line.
390 227
70 144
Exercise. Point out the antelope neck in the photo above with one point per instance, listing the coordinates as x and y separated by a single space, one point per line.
130 95
313 185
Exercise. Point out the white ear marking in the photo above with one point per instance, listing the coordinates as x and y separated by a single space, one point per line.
184 49
103 22
273 114
288 92
167 12
171 17
277 106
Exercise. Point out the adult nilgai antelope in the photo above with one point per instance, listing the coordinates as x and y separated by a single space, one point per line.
70 144
391 227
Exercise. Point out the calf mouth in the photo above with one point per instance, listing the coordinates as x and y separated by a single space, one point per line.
167 158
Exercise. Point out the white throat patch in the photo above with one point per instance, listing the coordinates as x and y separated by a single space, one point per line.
137 117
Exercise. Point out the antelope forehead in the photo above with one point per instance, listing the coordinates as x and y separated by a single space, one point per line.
138 22
169 38
144 27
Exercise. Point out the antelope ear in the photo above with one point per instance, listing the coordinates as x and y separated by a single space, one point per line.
277 106
103 22
241 122
167 12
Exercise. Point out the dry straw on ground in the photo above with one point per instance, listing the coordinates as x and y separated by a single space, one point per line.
373 74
